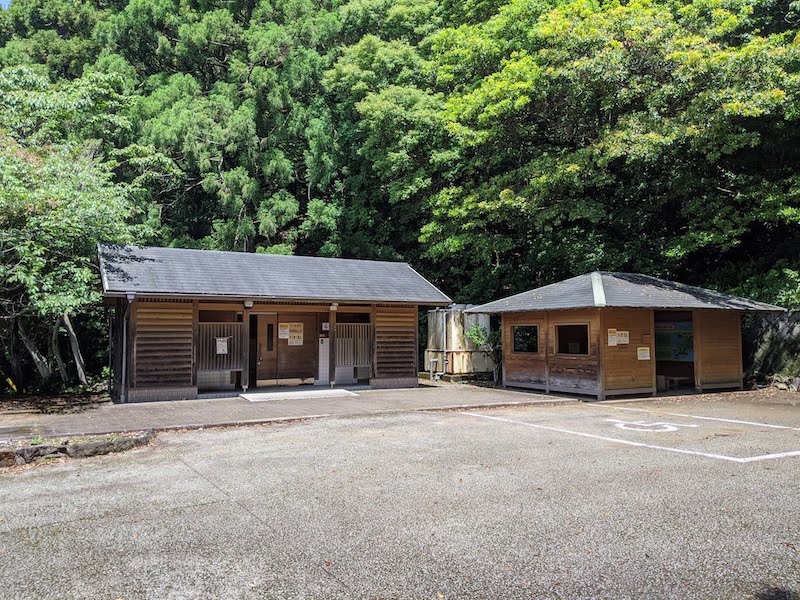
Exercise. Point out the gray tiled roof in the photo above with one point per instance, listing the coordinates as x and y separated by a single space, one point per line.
166 271
631 290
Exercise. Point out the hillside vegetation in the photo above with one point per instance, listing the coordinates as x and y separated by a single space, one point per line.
496 145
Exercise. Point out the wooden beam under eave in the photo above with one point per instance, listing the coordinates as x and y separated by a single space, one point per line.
221 306
292 308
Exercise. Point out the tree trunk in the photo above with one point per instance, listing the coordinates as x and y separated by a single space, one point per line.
497 368
9 341
56 351
76 349
45 371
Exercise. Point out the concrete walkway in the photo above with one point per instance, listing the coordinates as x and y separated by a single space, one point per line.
193 414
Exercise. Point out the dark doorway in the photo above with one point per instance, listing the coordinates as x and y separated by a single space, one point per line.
674 342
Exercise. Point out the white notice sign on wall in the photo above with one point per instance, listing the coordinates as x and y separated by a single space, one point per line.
643 352
612 337
222 345
295 334
623 337
283 331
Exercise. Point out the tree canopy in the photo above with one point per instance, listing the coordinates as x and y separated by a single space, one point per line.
498 145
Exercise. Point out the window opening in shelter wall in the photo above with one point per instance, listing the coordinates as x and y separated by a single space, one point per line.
572 339
526 339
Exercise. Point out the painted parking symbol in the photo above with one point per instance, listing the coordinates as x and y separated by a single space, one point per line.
654 427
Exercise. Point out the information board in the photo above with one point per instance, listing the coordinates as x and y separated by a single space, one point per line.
295 334
675 341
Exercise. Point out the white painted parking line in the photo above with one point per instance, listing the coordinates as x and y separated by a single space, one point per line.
672 414
638 444
769 456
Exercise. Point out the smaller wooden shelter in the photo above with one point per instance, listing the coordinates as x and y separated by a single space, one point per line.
608 334
193 321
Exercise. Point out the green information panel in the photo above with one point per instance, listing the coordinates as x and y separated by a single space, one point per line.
675 341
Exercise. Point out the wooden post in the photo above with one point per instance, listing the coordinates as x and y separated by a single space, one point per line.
132 318
373 318
332 349
503 341
739 353
547 352
195 338
601 354
654 376
416 343
698 350
246 349
125 347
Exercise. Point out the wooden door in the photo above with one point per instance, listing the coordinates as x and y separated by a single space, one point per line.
298 360
267 350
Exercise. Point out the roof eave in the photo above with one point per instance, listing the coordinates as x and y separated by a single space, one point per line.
496 311
240 298
483 311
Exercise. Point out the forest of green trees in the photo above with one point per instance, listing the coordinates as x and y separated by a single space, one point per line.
497 145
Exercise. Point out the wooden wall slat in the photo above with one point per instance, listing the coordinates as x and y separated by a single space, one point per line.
395 342
524 367
163 346
622 367
547 369
717 334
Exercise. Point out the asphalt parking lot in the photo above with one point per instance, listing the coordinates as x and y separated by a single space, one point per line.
658 499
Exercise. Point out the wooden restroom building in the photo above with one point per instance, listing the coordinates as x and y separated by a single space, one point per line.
194 321
607 334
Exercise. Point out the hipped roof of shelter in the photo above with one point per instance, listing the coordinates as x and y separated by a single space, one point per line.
601 289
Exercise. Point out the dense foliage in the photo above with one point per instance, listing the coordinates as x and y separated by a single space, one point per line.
497 145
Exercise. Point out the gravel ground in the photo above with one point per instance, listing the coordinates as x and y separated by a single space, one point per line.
423 505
